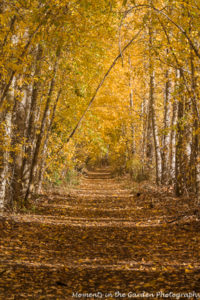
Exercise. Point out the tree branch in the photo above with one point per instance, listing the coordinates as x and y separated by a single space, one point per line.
100 85
5 91
179 27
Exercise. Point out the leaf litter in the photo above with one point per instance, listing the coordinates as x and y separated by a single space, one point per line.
103 236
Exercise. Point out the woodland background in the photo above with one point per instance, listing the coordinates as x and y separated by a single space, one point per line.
144 119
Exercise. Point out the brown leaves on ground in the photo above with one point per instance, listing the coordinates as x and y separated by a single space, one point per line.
103 237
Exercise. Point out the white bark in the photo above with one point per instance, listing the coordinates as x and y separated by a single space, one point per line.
30 131
166 137
173 141
144 130
4 173
155 131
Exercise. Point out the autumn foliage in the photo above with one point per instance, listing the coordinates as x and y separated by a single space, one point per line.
144 117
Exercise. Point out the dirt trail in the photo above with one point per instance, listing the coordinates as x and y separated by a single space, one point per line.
99 239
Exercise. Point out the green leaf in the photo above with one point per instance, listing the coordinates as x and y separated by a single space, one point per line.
124 2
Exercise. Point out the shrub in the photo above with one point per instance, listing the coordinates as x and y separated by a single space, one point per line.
137 170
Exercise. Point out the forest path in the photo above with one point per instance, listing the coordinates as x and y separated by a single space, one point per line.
102 237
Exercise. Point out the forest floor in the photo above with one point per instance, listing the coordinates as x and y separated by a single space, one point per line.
104 237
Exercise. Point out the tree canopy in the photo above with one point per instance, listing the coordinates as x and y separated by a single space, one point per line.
84 82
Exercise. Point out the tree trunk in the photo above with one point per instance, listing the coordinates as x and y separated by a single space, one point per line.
195 153
19 125
4 170
31 129
40 136
45 148
173 140
149 142
155 133
144 113
179 176
166 137
23 53
131 110
5 189
152 109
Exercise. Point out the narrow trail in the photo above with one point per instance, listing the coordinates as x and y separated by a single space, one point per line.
100 238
